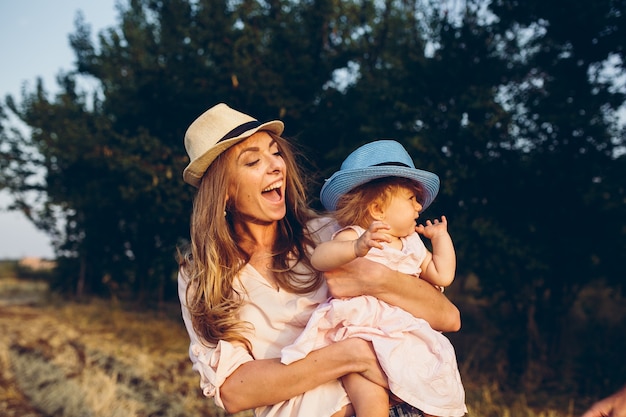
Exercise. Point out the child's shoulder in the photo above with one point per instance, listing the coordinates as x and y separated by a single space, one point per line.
348 233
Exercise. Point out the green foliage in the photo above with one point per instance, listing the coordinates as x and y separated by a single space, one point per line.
8 268
553 206
507 101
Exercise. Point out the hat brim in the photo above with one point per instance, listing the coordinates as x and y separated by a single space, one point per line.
193 173
343 181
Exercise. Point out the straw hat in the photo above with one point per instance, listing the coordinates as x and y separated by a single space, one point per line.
378 159
216 130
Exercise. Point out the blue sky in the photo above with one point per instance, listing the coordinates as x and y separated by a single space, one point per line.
34 43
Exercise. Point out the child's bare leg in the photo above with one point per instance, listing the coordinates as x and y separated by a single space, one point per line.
368 399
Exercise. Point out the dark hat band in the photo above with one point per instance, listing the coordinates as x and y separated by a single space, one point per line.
394 163
240 129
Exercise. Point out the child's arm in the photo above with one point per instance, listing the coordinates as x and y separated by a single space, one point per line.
347 246
439 267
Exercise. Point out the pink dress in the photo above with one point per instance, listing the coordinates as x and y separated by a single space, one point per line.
420 363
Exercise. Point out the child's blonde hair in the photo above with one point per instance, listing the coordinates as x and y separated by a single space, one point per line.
352 207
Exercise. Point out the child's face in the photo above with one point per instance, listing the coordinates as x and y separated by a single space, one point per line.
402 211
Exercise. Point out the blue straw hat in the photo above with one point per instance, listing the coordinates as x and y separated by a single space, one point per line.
378 159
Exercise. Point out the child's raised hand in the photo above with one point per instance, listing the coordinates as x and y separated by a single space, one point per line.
433 228
372 238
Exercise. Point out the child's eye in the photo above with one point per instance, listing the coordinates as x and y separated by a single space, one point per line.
278 153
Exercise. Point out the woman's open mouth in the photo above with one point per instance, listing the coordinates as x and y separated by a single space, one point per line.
274 192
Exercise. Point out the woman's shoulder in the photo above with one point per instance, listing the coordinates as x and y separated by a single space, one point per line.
322 228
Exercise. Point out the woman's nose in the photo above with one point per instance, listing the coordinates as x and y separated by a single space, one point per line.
275 164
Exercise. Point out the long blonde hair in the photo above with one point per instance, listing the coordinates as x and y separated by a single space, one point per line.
213 259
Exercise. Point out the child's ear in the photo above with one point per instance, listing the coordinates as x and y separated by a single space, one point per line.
376 211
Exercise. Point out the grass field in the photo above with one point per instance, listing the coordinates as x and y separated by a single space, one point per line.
98 358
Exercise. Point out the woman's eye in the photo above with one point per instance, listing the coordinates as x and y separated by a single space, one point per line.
275 150
252 163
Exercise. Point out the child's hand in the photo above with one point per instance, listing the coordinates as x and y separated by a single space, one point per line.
372 238
433 229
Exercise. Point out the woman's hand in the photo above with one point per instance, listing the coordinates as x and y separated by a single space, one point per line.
364 356
358 277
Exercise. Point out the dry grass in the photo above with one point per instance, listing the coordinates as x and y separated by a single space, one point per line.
95 359
14 291
98 359
488 401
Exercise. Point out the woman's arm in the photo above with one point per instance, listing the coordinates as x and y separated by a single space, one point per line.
268 381
418 297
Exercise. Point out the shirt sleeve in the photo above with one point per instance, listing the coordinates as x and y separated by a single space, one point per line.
213 363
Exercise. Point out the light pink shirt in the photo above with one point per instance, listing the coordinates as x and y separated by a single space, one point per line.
278 318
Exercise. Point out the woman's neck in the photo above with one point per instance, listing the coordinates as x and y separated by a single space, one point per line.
256 238
258 242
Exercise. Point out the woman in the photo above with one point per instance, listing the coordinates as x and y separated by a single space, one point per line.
247 287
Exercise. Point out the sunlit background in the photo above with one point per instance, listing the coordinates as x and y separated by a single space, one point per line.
34 43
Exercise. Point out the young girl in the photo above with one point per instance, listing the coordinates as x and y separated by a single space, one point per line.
376 197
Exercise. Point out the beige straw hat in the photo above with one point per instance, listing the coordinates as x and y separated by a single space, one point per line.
216 130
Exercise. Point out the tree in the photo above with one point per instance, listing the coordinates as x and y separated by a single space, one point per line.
557 169
111 160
